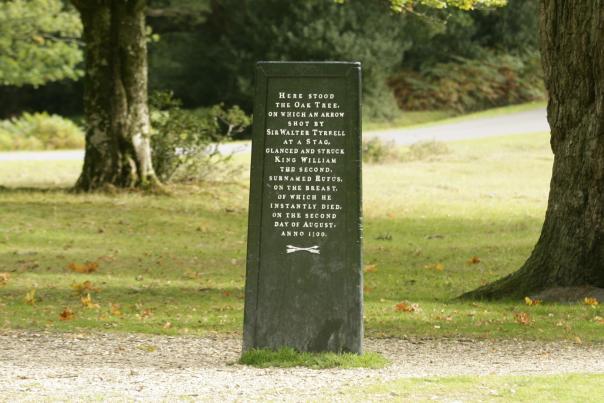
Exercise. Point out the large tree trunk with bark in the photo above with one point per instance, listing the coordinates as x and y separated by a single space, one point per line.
570 251
118 151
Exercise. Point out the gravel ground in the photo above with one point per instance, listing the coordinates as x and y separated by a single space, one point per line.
124 367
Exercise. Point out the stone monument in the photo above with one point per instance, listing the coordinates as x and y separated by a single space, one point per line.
304 286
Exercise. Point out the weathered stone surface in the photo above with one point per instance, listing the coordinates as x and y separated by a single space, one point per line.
304 277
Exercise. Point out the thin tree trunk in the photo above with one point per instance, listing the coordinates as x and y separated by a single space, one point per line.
570 251
118 150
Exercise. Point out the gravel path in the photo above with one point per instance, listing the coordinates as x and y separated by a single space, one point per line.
122 367
531 121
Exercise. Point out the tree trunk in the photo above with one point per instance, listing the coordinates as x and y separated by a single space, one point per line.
570 251
118 150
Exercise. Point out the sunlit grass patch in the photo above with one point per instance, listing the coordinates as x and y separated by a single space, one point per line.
492 388
175 264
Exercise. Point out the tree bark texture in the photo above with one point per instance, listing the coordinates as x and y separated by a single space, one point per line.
118 150
570 250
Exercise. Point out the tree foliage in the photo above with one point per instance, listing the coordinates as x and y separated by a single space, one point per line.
402 5
238 33
38 42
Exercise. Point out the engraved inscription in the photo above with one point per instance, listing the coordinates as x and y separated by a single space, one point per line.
305 145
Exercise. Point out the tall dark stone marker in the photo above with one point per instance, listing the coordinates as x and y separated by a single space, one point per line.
304 279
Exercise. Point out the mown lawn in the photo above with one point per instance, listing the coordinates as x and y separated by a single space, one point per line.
175 264
545 388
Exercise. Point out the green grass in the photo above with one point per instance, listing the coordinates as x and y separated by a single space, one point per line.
39 174
176 264
544 388
428 118
409 118
287 358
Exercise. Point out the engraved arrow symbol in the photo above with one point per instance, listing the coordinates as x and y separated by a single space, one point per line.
312 249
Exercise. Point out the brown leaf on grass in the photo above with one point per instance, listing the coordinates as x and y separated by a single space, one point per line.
591 301
144 314
67 314
473 260
4 277
599 319
87 267
86 286
226 293
370 268
523 318
404 307
167 325
114 309
30 297
435 266
532 302
87 302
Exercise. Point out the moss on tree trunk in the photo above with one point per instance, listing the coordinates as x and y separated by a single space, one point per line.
570 250
118 151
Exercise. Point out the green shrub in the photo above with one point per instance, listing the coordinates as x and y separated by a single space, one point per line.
40 131
471 84
185 143
425 150
376 151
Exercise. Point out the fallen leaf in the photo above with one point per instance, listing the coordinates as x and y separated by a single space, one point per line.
87 267
370 268
87 302
435 266
599 319
114 309
85 286
404 307
523 318
144 314
473 260
591 301
167 325
4 277
30 297
226 293
531 302
67 314
578 340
